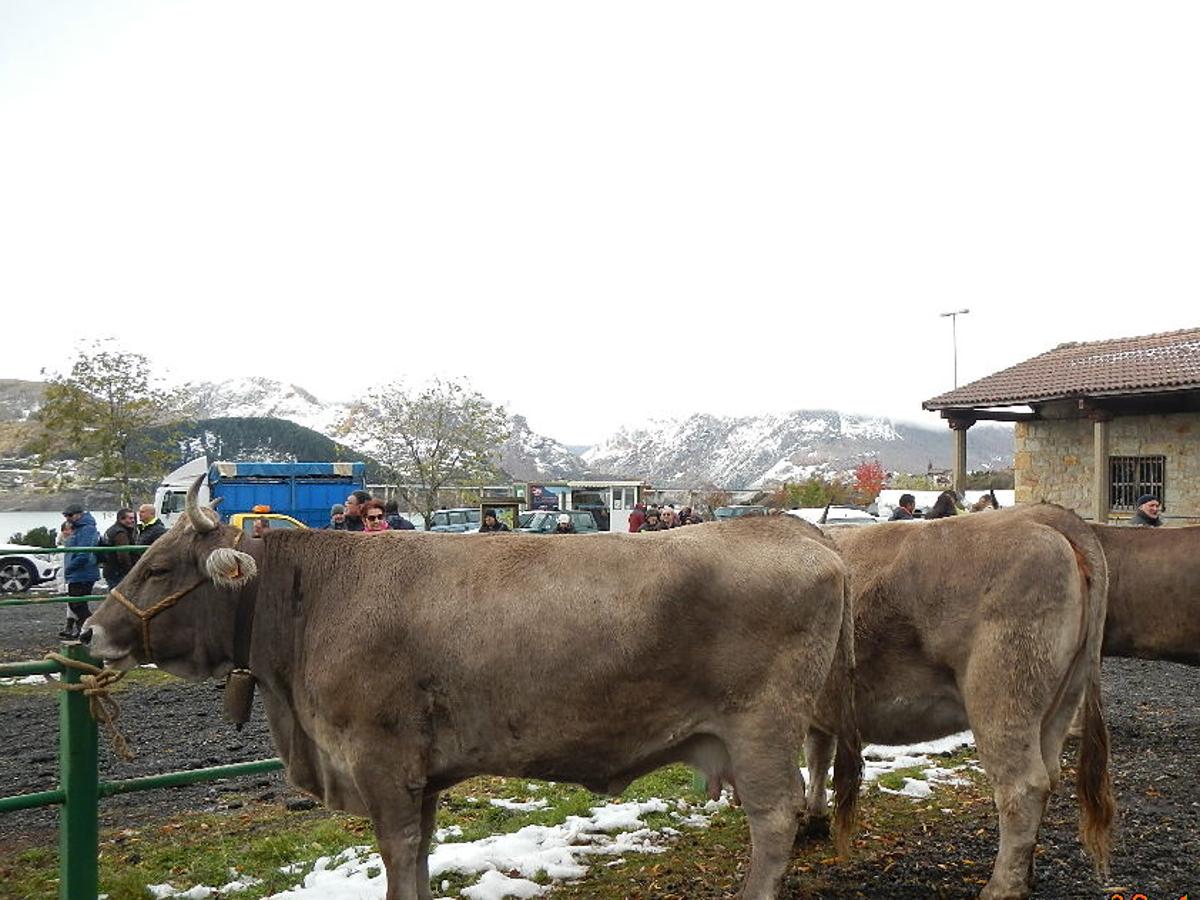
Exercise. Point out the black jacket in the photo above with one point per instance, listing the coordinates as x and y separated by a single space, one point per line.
1140 518
150 532
117 565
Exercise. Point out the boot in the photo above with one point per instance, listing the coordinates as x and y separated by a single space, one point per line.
71 632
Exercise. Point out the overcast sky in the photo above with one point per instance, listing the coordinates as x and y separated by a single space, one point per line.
597 213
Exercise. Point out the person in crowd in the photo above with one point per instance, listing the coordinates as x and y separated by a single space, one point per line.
261 527
491 524
1149 512
337 518
904 509
564 525
122 533
64 532
986 502
150 528
637 518
355 504
667 517
396 522
694 518
374 518
81 568
944 507
653 520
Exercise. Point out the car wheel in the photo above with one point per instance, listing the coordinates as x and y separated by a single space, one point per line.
15 576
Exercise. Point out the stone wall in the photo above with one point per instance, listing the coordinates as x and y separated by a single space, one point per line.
1052 457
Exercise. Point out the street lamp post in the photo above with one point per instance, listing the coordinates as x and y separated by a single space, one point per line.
954 335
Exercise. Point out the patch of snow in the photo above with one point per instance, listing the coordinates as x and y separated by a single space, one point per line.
520 806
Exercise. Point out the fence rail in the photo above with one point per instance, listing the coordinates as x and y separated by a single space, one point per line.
80 788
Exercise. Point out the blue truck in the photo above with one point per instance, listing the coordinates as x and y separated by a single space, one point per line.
300 491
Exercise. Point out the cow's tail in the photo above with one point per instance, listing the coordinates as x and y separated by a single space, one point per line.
847 763
1097 806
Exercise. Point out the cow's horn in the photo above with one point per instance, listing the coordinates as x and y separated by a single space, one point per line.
200 520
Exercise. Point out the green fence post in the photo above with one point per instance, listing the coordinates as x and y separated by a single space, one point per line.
79 830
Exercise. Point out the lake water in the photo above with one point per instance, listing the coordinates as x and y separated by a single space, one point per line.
20 522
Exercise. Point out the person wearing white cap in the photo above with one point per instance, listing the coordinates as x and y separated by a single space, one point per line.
564 525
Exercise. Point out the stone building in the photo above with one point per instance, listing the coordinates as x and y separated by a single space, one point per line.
1097 424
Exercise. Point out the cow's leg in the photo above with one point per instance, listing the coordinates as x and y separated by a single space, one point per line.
428 825
396 804
772 794
818 756
1009 741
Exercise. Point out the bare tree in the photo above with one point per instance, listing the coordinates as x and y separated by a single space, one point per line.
104 410
444 434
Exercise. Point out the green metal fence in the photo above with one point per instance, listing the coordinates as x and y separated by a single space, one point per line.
80 788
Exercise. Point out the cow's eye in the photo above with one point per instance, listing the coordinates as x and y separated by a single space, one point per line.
158 571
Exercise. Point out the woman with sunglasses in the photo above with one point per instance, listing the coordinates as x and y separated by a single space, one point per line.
373 516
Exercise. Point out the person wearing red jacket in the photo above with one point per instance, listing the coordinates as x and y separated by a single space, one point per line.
637 518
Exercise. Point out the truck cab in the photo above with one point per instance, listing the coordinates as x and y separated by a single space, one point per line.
245 521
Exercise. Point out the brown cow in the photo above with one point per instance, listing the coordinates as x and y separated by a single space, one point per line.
1010 655
395 666
1153 592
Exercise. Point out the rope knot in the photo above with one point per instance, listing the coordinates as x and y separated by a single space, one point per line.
96 684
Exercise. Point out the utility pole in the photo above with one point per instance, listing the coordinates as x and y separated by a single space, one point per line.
954 335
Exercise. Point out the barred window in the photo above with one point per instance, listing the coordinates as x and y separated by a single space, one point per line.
1131 476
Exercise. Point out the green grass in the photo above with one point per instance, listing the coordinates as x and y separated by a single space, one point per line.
134 678
259 838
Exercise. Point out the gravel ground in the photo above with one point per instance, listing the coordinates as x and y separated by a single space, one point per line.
1153 715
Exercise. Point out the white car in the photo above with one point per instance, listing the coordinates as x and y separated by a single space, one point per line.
838 515
24 567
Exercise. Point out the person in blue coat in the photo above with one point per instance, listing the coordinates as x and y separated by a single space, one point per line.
81 569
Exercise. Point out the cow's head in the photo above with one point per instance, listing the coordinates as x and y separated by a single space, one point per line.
181 605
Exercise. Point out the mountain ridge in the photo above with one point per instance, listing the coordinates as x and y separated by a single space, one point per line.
739 452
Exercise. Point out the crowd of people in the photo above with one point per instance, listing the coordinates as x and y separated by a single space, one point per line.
362 512
652 518
81 571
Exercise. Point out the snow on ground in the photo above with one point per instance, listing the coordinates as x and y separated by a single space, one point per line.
506 864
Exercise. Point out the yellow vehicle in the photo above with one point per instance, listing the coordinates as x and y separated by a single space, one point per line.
245 521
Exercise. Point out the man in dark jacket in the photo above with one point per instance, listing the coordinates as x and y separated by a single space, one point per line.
122 533
396 522
1148 509
653 521
491 523
904 509
151 527
354 506
80 569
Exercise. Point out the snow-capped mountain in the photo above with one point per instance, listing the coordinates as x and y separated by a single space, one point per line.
246 397
730 452
756 451
525 455
528 456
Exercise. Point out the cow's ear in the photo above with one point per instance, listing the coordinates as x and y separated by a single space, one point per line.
229 568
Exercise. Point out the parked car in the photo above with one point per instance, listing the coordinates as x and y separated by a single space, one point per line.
838 515
460 520
544 521
24 567
735 512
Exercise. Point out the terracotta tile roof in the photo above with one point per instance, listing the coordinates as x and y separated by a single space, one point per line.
1154 363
